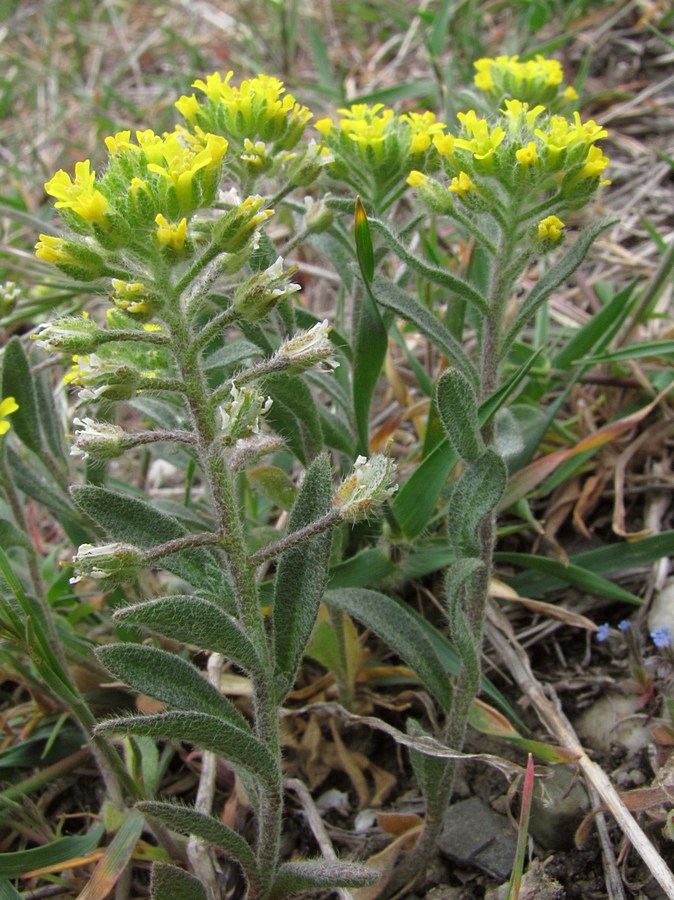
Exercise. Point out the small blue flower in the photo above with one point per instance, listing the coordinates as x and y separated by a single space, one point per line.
602 632
661 637
625 625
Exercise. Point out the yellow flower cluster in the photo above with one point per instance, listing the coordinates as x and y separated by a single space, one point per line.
378 133
526 153
258 109
536 80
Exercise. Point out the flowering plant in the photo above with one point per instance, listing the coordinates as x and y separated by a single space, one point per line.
206 338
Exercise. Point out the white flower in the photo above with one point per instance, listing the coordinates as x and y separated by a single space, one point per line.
241 416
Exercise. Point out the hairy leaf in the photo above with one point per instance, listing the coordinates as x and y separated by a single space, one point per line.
457 406
237 746
393 624
557 275
302 574
171 883
17 382
195 621
186 820
475 495
137 522
320 874
441 277
395 298
168 678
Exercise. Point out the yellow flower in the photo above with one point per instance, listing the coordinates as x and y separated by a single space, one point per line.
80 195
259 107
444 144
550 229
461 184
7 407
595 163
483 141
527 156
416 179
424 128
171 235
324 126
517 112
50 249
188 107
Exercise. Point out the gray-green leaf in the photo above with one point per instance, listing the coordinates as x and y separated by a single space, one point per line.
186 820
302 574
234 744
195 621
320 874
457 406
169 679
171 883
395 625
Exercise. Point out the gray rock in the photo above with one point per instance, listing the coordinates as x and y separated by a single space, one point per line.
474 835
559 805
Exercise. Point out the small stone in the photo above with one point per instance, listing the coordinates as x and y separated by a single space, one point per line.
559 805
474 835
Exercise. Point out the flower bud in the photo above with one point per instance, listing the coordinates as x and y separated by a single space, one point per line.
256 297
72 334
305 169
308 348
74 258
235 229
367 488
100 440
117 562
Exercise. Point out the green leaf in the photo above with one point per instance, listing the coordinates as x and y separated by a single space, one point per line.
393 297
368 567
364 249
579 577
302 574
186 820
562 270
168 678
320 874
11 536
599 330
137 522
195 621
457 406
234 744
9 892
115 859
414 503
50 420
441 277
17 863
475 494
369 352
428 770
171 883
17 382
293 415
392 623
33 485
